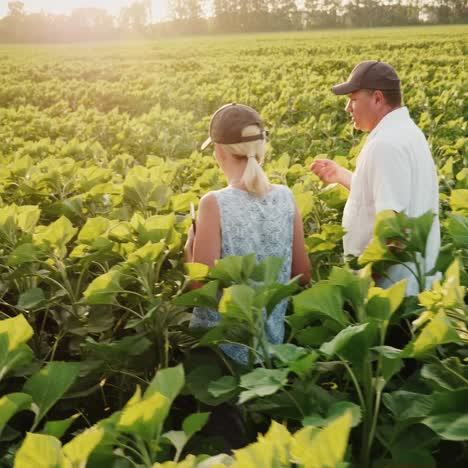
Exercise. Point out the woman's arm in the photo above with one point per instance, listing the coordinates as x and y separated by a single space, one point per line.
300 258
207 244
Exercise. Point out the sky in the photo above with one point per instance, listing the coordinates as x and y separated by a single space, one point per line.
159 7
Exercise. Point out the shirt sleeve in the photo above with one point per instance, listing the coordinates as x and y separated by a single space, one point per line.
389 176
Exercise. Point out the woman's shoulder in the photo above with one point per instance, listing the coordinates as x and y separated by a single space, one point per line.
208 202
279 188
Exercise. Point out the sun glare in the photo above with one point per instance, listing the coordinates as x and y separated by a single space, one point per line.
159 8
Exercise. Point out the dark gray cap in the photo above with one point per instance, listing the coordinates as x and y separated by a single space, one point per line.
369 75
228 122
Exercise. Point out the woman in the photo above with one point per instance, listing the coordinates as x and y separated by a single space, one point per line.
249 215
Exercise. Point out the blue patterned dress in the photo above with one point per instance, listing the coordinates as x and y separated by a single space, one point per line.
263 225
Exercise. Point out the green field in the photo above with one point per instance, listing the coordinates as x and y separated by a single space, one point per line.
99 162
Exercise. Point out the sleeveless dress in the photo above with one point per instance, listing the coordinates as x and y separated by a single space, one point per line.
262 225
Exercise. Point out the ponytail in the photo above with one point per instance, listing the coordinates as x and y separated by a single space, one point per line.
255 180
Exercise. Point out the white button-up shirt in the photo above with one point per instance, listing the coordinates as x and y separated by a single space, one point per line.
394 171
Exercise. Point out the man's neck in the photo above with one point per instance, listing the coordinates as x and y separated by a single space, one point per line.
387 110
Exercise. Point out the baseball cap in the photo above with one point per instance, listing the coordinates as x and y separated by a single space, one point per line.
370 74
227 124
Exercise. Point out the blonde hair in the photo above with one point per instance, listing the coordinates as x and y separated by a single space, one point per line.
255 180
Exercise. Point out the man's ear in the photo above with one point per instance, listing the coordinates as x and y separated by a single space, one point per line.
379 97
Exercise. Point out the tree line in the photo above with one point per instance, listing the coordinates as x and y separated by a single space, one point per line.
223 16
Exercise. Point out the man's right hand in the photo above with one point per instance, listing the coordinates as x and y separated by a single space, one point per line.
330 172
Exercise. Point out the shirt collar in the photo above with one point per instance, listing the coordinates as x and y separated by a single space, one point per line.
390 120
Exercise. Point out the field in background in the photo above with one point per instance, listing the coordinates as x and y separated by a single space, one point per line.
99 161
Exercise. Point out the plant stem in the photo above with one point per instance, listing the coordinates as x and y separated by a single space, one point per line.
374 422
144 452
420 273
266 354
355 382
54 347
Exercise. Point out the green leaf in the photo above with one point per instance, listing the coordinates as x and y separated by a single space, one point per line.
206 296
149 253
268 296
375 252
17 330
449 295
412 458
408 405
196 271
390 367
354 288
262 382
238 302
31 298
267 271
93 228
287 352
14 333
324 448
56 235
449 374
382 303
341 339
144 418
226 385
305 203
439 331
449 415
256 455
181 201
116 351
315 244
321 300
142 187
178 439
388 352
198 383
312 336
27 217
396 235
194 423
334 195
121 232
80 447
11 404
453 291
450 426
58 428
24 253
104 288
458 201
49 384
457 227
39 451
169 382
417 231
234 269
408 437
337 410
279 436
156 228
303 365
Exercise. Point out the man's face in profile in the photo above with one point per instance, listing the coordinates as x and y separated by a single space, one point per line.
361 107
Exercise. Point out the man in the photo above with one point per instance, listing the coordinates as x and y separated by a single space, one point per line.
394 170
